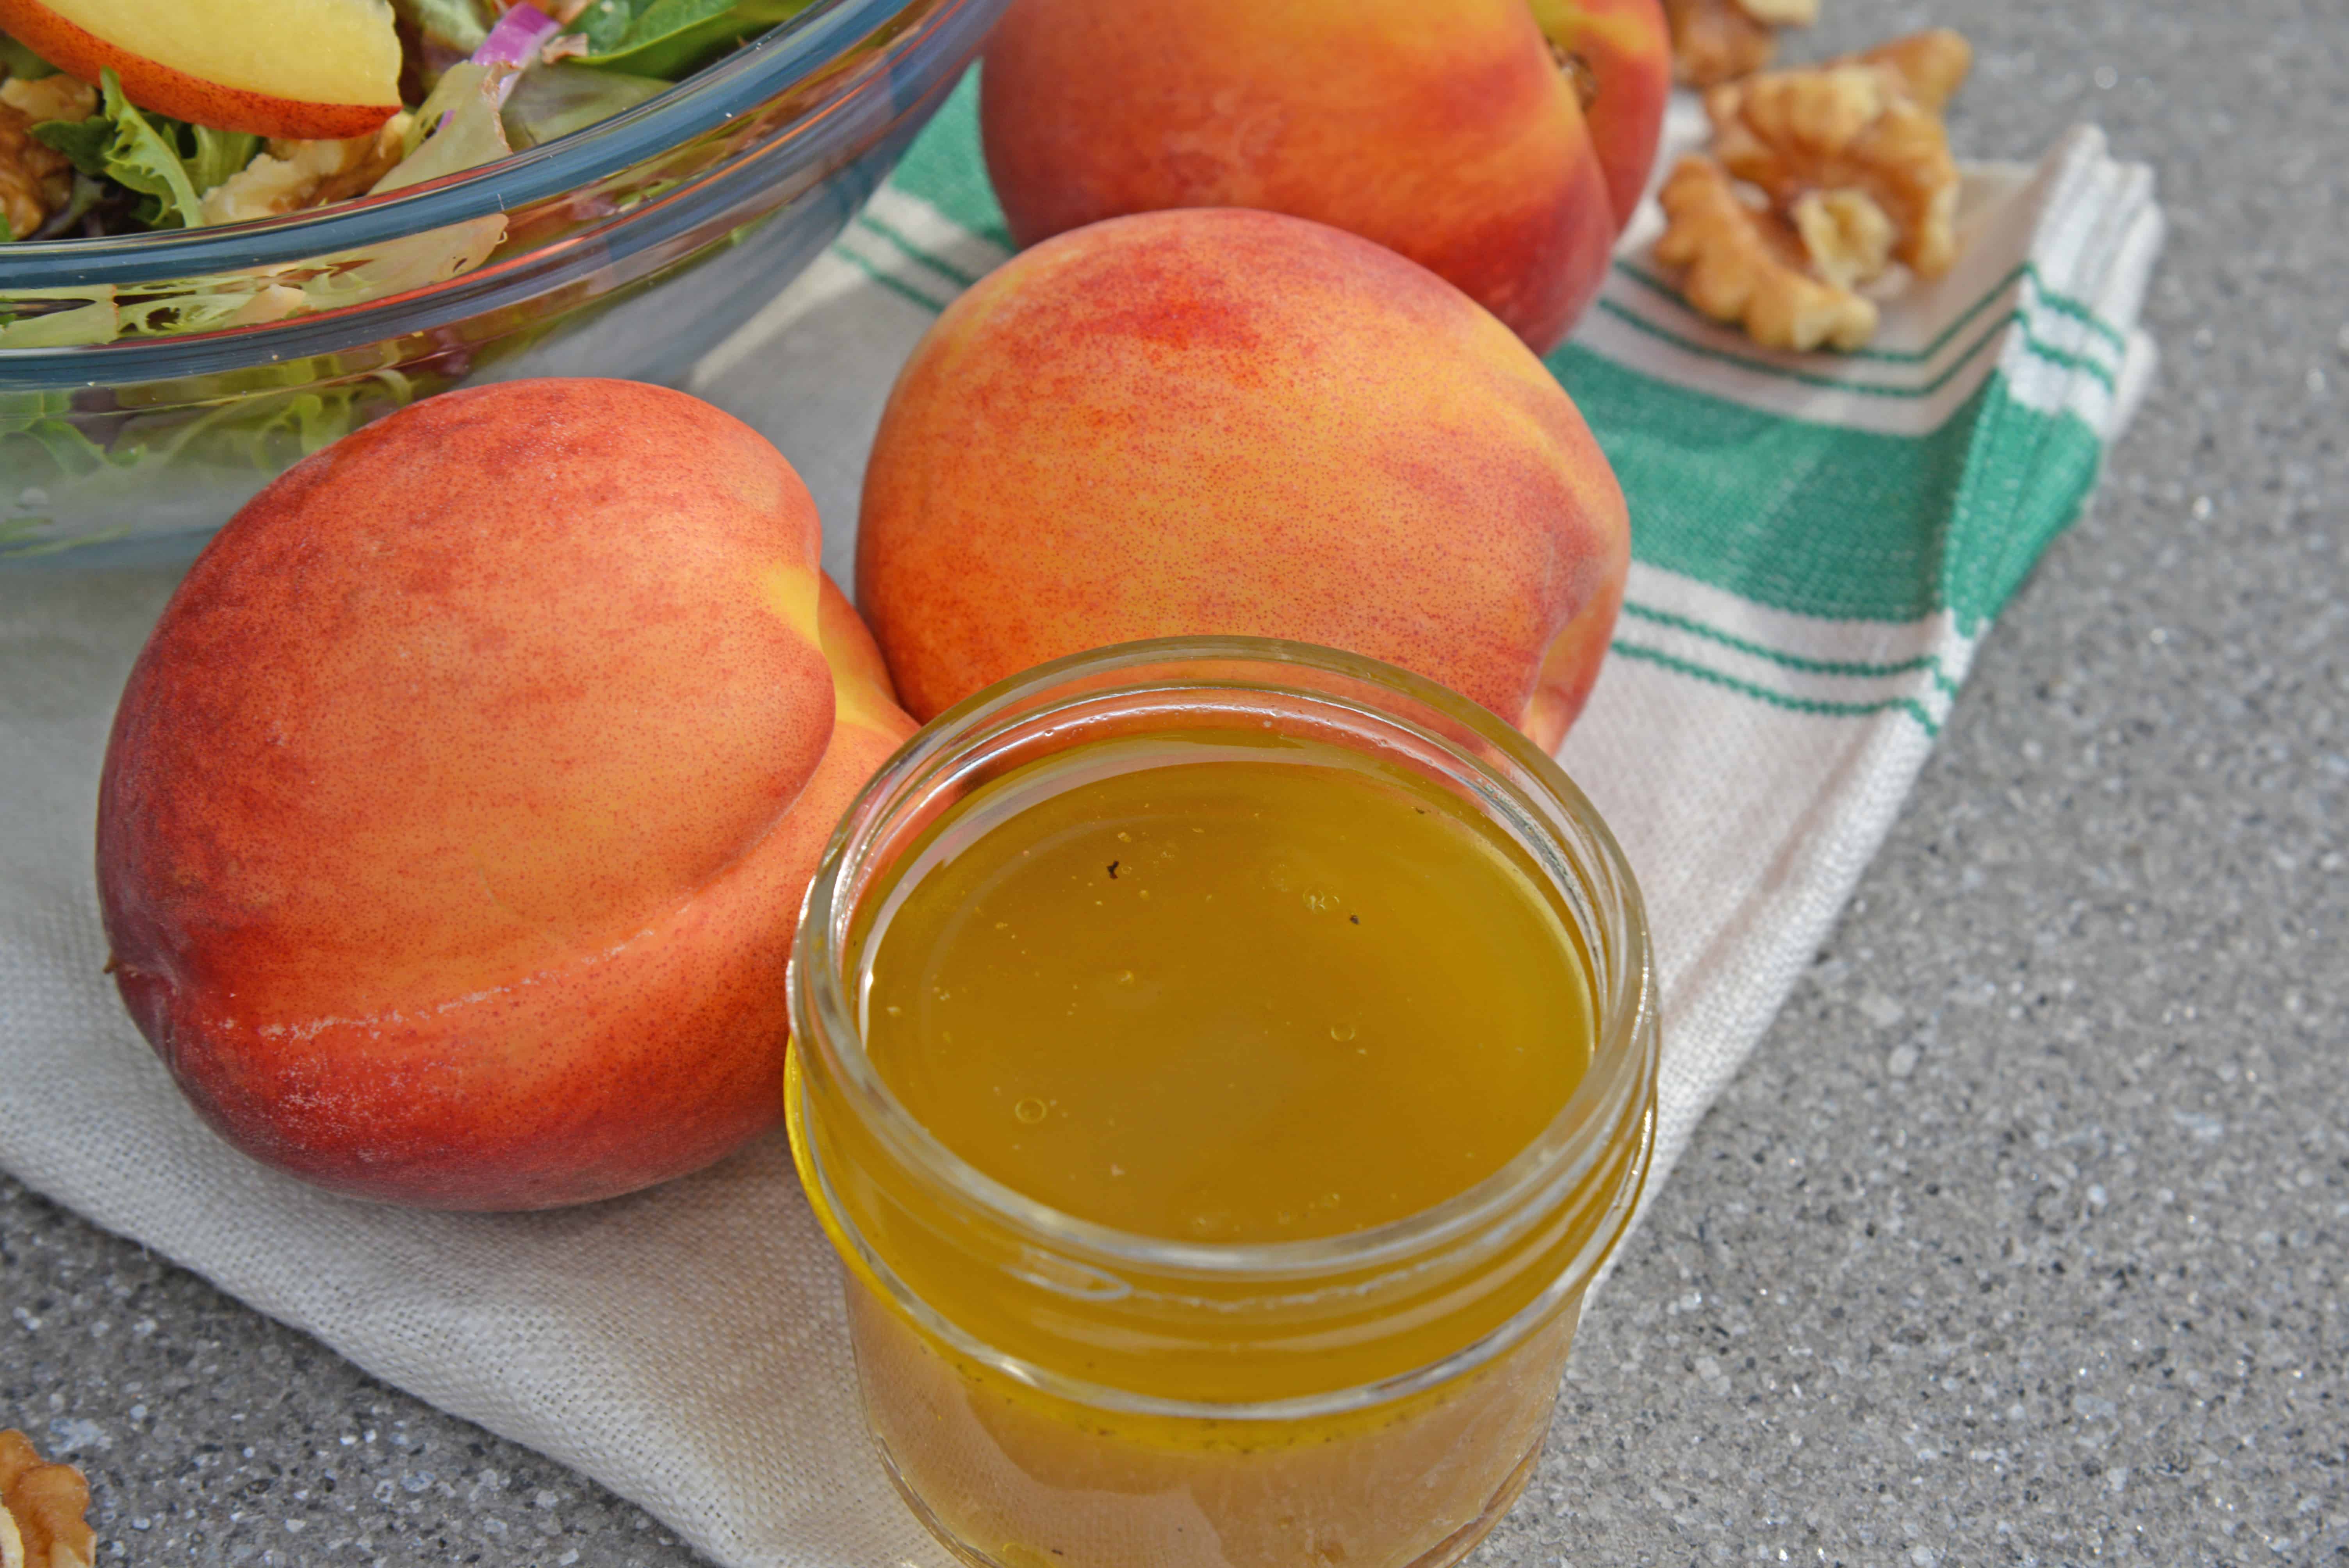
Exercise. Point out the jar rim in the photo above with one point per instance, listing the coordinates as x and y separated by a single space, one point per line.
1575 1140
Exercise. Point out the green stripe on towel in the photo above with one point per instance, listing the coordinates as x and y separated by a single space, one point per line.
1820 520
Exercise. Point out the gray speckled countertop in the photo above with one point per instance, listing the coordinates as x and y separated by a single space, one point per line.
2021 1239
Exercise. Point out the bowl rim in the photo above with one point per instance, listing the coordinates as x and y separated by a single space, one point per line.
786 55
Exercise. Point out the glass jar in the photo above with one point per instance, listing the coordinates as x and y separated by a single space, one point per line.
1048 1391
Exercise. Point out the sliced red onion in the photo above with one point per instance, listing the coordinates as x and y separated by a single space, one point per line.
515 41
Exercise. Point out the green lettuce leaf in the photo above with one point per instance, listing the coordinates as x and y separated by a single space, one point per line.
668 38
22 62
43 420
466 133
455 26
85 142
456 128
555 100
170 162
60 318
215 155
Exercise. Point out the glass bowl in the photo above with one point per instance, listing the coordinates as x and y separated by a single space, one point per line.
628 249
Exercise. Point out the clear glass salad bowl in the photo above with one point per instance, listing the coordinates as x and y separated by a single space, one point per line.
627 249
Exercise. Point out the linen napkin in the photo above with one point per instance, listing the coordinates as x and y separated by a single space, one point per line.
1820 545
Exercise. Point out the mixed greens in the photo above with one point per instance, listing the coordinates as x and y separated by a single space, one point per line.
140 173
120 167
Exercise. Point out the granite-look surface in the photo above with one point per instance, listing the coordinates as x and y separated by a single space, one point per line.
2021 1238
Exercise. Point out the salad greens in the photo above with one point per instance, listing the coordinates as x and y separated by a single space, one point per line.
558 99
144 154
169 162
138 170
454 27
149 171
668 37
20 61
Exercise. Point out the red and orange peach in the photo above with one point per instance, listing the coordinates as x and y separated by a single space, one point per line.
457 813
1232 421
1448 133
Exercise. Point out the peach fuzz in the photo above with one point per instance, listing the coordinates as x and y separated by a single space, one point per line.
1232 421
457 813
1448 133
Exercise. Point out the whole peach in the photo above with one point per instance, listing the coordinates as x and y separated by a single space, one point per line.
1451 133
1223 420
457 813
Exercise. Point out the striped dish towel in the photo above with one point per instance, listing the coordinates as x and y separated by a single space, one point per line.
1820 543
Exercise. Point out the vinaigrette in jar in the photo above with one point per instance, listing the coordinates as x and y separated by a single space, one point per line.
1221 1065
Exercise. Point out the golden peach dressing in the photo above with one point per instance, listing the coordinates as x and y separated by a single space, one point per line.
1221 989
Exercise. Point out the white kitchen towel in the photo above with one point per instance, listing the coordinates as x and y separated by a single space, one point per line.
1820 543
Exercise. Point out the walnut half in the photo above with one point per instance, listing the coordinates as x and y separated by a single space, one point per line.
36 179
1743 264
1718 41
42 1510
1845 127
1932 64
1847 236
57 96
294 176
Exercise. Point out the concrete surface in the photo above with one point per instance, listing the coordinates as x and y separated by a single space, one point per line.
2020 1240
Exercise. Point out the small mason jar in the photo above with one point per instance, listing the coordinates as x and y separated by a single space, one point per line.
1047 1392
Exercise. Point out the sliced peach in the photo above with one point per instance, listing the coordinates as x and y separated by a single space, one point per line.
300 68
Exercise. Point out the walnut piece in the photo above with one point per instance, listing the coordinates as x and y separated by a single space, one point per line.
1745 265
1850 126
294 176
1717 40
42 1510
1846 235
1781 13
58 96
36 179
1817 181
1932 64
